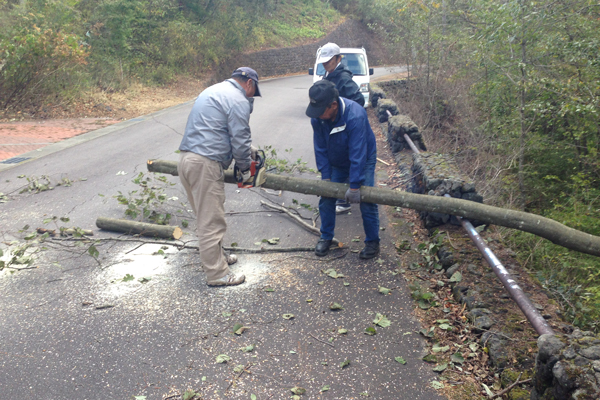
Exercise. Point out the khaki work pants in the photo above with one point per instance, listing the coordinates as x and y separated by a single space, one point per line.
204 183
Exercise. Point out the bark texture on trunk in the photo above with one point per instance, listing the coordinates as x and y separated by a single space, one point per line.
544 227
139 228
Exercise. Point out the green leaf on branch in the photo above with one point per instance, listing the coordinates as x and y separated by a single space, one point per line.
93 251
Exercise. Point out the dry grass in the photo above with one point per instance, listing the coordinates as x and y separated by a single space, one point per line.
136 100
450 123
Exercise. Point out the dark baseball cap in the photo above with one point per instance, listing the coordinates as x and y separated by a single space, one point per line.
250 73
321 94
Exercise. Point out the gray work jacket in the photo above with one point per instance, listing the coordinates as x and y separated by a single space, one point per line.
218 126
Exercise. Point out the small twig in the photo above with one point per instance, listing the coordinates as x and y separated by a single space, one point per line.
316 338
262 323
237 377
312 258
46 302
268 249
248 212
449 241
296 219
383 162
508 389
173 396
283 384
273 192
20 269
135 248
183 245
178 244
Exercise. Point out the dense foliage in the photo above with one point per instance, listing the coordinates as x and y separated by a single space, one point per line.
512 87
55 48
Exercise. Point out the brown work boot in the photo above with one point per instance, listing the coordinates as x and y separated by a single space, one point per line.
231 259
227 280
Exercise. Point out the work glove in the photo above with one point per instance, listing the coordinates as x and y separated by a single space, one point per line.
253 151
353 196
244 176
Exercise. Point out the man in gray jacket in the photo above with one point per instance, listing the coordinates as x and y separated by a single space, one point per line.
217 132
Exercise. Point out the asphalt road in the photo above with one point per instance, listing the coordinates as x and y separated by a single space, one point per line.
140 320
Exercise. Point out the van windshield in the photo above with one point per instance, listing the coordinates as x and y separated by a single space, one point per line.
354 61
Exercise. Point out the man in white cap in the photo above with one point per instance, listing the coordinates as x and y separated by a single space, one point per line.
341 77
217 132
339 74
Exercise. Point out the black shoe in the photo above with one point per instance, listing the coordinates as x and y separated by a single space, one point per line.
322 247
370 251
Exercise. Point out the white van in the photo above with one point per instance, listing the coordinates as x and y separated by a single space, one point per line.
356 61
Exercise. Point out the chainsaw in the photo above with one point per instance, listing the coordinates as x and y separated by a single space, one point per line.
257 171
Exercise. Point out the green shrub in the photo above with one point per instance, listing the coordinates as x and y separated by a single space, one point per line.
572 278
38 61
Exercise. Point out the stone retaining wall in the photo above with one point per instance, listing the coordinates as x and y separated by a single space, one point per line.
567 367
433 174
276 62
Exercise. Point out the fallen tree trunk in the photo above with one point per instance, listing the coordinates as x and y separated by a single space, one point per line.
547 228
140 228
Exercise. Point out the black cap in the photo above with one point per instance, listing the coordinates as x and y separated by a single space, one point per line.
321 94
250 73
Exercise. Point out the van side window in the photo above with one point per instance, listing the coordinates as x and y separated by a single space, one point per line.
355 63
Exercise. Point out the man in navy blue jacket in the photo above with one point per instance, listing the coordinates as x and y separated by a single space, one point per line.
341 76
344 149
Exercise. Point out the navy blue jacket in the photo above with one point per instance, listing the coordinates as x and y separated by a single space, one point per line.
346 143
342 78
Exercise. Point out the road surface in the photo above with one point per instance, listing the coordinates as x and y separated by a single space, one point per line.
139 321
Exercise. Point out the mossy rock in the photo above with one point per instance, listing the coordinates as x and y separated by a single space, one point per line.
509 376
519 394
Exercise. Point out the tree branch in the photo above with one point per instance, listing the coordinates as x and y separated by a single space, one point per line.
547 228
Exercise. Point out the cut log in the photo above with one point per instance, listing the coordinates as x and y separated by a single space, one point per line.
544 227
139 228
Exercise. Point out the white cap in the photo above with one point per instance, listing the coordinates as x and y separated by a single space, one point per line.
328 52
